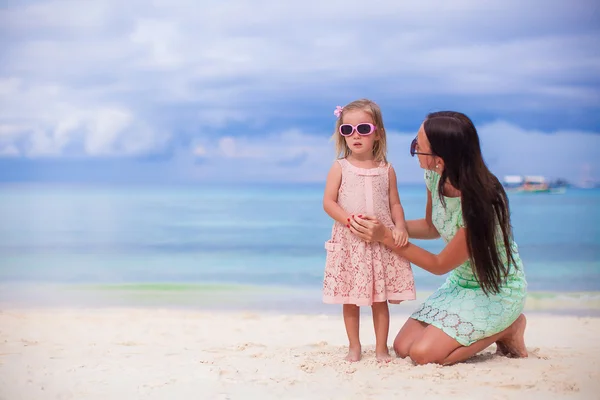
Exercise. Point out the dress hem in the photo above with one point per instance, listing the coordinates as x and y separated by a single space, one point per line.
406 296
446 330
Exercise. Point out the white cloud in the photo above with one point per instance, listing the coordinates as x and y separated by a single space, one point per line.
8 150
507 149
158 37
277 148
510 149
106 78
102 131
287 156
227 147
199 151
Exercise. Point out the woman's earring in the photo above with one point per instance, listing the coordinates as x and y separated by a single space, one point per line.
437 166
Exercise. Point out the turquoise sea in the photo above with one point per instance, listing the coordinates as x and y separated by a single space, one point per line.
246 246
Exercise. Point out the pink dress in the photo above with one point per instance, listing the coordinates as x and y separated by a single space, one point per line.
358 272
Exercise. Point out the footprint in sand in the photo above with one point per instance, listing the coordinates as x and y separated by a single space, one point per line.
127 344
517 386
566 387
308 368
536 353
245 346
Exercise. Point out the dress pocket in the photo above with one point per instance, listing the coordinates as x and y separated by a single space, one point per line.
334 257
332 246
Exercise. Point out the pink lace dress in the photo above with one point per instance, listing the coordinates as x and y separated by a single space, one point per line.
358 272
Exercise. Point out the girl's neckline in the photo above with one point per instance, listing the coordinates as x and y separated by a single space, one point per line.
357 167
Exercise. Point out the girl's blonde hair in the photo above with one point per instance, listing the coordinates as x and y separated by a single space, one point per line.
379 146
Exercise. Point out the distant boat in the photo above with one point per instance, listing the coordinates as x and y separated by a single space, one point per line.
532 184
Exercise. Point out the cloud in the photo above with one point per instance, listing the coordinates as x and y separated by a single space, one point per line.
44 125
293 156
126 79
289 155
8 150
199 151
510 149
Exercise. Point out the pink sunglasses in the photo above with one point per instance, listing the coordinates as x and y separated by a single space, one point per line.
363 129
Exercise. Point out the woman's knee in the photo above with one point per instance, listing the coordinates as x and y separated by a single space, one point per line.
422 353
411 331
402 346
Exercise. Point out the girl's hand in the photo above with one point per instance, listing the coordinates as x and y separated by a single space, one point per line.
368 228
400 236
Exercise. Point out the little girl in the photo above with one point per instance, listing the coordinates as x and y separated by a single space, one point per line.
362 182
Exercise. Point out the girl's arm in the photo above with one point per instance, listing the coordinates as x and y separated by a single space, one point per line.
454 254
423 228
332 186
395 205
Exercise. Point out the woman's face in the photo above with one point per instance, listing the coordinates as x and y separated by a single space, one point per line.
423 151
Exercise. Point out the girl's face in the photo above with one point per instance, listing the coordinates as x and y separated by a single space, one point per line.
360 145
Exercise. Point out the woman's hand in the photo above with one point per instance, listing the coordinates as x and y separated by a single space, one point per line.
368 228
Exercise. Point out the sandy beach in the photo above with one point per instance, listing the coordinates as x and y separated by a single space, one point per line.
115 353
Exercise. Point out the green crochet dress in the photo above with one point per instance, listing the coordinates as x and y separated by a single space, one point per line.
459 307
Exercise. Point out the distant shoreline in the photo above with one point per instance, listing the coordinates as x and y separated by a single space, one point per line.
237 297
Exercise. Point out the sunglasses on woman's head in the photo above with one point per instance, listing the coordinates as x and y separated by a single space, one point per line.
363 129
413 149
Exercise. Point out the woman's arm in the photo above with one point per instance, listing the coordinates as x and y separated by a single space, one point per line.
332 186
454 254
423 228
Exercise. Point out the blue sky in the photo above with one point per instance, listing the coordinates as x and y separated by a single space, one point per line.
196 91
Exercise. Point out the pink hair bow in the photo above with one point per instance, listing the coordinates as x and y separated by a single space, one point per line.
338 111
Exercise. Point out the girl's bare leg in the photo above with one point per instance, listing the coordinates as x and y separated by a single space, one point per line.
381 322
352 322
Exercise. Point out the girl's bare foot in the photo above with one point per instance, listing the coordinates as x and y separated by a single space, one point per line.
353 354
513 344
383 355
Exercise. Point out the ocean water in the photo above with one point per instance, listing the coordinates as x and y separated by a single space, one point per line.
207 244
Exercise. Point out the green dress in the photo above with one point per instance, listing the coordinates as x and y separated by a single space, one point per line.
459 307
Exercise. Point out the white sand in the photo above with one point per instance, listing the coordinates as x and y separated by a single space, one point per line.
166 354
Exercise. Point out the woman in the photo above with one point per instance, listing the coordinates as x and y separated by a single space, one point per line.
483 297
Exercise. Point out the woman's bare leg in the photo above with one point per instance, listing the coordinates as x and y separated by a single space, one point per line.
381 322
352 323
410 331
434 346
510 342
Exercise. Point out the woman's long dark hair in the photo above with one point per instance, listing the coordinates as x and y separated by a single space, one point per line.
454 139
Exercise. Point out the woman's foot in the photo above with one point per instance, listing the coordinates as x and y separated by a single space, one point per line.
383 355
501 349
513 343
354 354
